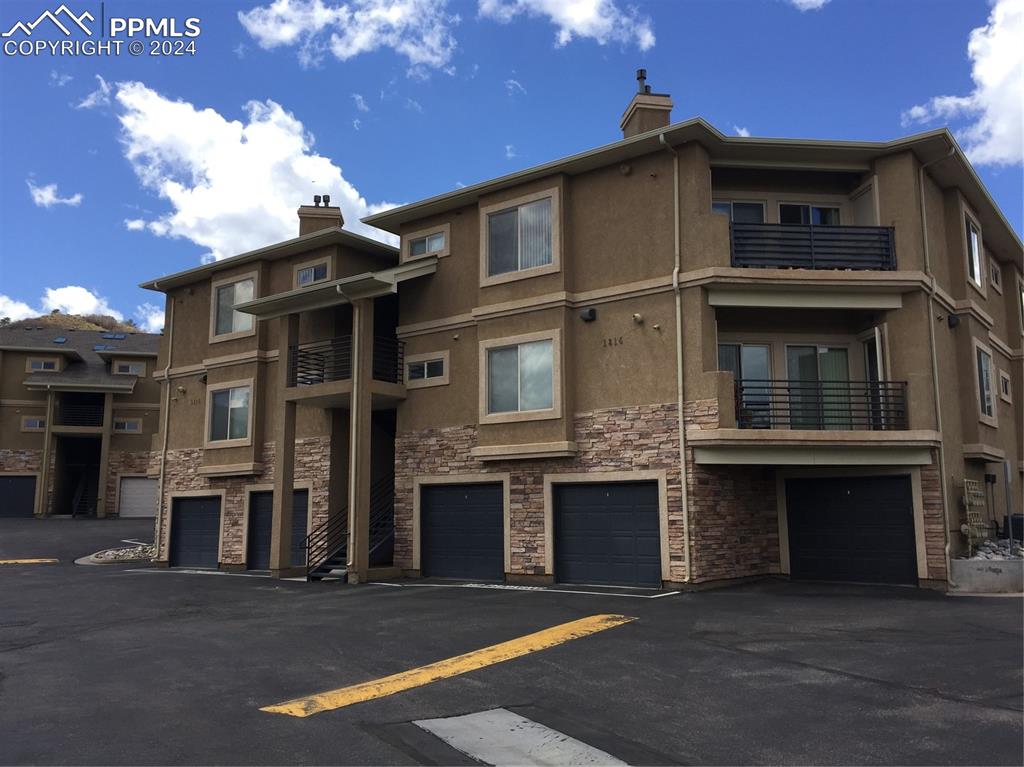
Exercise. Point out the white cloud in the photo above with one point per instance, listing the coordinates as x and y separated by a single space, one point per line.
59 79
233 185
47 196
150 317
419 30
995 135
74 299
361 104
99 97
510 151
15 310
600 20
413 105
740 131
134 224
239 50
357 123
808 5
514 87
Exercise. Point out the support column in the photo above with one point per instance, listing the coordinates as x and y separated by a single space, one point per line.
101 487
43 492
284 458
359 441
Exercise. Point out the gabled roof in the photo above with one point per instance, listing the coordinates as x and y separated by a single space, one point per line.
331 236
951 168
86 353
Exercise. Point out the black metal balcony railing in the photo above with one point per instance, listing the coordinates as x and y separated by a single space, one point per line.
821 405
799 246
325 361
79 414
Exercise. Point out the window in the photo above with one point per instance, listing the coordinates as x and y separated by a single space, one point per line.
42 365
1005 388
816 215
973 251
519 238
423 370
307 275
740 212
227 321
995 275
751 370
127 425
229 413
986 403
819 387
520 378
423 246
33 423
122 368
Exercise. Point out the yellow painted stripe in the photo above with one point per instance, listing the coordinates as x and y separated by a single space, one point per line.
460 664
28 561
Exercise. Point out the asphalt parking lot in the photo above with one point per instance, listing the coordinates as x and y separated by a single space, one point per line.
126 665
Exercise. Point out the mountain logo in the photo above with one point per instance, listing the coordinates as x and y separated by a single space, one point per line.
55 16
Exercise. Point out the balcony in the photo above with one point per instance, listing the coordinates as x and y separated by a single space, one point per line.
821 405
79 410
799 246
326 361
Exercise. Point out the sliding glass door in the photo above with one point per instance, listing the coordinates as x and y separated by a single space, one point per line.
751 369
819 387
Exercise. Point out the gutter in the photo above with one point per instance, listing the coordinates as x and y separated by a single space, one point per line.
684 492
169 325
930 289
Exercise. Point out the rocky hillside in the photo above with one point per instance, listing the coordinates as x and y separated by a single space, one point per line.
74 322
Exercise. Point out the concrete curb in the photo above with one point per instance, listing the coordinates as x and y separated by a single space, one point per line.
91 559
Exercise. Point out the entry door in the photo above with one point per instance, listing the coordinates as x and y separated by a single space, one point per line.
819 387
261 523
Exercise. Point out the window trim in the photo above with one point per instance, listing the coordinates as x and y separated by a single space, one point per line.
731 201
990 420
33 429
555 411
298 267
1006 396
116 372
55 359
994 267
1020 301
217 284
981 284
424 383
809 204
555 266
126 419
445 229
211 389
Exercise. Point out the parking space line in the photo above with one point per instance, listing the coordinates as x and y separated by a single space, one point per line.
43 561
512 587
460 664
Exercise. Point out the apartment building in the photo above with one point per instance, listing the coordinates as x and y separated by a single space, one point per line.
78 409
681 358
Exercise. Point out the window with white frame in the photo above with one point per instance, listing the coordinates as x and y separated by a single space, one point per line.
43 365
986 401
423 370
816 215
973 251
308 275
520 377
128 425
129 368
519 238
229 413
33 423
424 246
740 212
228 320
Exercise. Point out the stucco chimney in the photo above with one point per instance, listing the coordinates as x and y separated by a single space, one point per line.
647 111
313 218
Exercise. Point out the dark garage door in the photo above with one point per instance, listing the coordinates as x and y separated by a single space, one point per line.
608 533
852 529
462 531
195 532
261 513
17 496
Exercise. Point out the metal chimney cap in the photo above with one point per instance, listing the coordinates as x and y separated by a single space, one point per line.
327 200
641 79
316 201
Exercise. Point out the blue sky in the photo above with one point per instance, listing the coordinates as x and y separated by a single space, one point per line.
119 169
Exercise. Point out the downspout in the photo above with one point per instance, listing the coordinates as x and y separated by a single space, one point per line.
684 492
935 359
169 325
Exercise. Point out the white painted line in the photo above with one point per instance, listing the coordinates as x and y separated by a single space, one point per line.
186 571
533 589
137 543
500 737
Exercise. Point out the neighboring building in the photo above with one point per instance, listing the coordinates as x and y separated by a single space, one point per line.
78 409
830 332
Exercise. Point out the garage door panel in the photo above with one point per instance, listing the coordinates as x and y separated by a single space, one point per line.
18 494
195 532
137 497
462 531
261 523
607 533
852 529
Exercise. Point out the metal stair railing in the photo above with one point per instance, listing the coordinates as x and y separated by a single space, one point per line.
326 540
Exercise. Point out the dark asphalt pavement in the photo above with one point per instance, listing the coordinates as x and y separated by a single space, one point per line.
105 665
